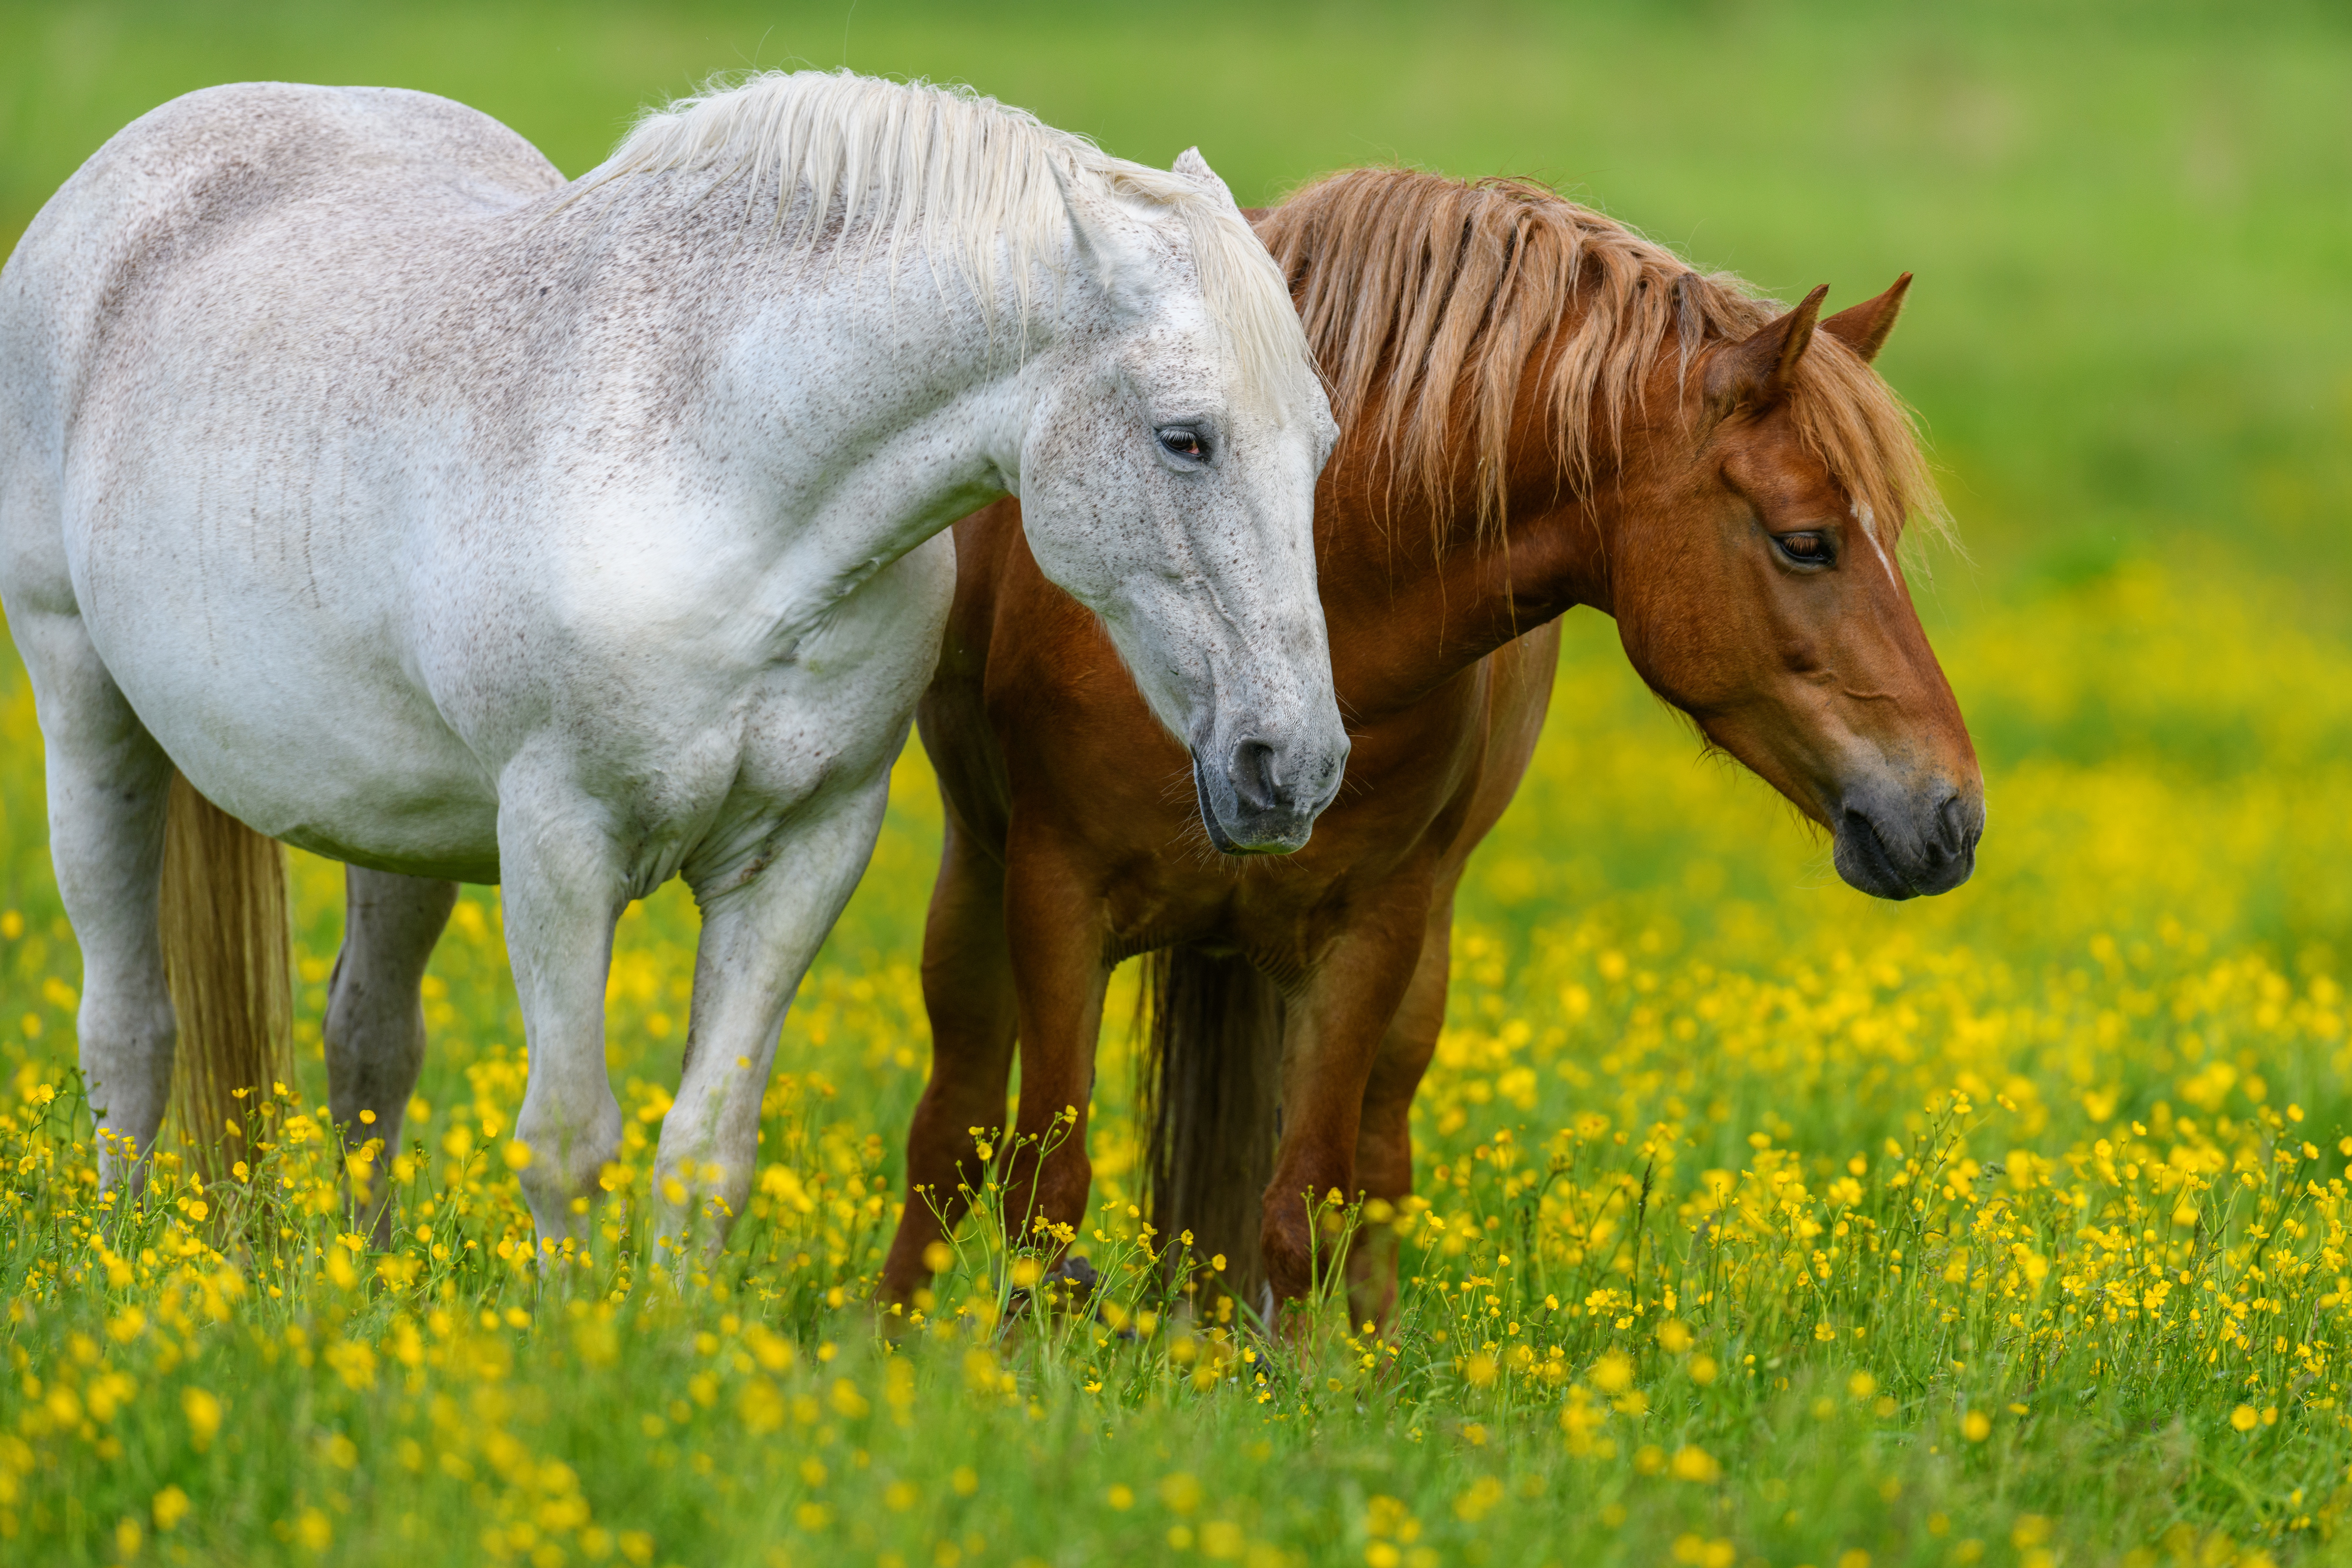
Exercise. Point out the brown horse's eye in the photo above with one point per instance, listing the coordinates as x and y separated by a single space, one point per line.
1804 548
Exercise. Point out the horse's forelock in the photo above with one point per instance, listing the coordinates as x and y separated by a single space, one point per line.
1242 288
1866 437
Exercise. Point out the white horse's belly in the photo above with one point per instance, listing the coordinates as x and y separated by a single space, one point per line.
306 731
312 729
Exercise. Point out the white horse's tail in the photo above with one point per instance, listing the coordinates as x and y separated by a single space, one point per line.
229 957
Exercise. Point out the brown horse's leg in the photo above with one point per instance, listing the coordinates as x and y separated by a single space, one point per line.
1384 1138
967 991
1059 941
1335 1033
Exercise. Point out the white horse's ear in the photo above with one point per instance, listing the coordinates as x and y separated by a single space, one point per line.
1108 252
1195 168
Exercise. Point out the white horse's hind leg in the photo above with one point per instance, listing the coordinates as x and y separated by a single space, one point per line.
757 939
375 1021
564 893
107 783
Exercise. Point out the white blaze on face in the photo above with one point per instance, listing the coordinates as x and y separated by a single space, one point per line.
1862 515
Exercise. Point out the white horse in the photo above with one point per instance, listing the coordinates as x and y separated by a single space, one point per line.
463 525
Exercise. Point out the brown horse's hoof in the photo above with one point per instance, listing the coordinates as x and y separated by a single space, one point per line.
1070 1284
1078 1275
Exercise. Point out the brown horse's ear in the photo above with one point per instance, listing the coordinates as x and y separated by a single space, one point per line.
1863 328
1753 373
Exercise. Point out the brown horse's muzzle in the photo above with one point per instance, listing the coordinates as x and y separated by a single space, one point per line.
1897 843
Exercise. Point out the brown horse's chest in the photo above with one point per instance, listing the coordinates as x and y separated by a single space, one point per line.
1412 783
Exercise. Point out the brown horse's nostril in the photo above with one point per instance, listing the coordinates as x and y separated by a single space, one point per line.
1943 858
1958 834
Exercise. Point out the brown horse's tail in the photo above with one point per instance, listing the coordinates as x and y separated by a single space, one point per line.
1207 1083
228 959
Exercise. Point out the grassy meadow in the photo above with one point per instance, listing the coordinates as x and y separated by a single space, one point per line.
1757 1223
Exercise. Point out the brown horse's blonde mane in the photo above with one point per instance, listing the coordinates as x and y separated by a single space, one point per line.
1432 300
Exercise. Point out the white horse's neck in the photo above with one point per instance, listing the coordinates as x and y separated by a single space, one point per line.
845 408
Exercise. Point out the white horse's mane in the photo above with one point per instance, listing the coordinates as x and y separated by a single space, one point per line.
961 173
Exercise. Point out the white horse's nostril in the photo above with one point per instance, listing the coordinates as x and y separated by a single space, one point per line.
1257 782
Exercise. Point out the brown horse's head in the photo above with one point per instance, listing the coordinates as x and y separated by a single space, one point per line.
1754 580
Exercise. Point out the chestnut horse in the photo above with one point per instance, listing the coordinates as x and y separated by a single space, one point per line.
1539 409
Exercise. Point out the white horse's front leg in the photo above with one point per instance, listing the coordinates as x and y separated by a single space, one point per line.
564 893
760 934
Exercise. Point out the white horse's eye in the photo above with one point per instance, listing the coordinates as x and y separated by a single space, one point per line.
1183 443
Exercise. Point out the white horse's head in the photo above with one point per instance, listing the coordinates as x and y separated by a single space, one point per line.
1168 483
1174 423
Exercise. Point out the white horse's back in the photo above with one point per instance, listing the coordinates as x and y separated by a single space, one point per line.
203 171
201 440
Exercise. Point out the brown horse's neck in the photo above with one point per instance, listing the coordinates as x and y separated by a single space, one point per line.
1413 594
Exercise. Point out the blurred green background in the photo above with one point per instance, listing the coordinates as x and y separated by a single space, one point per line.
2130 221
2131 347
